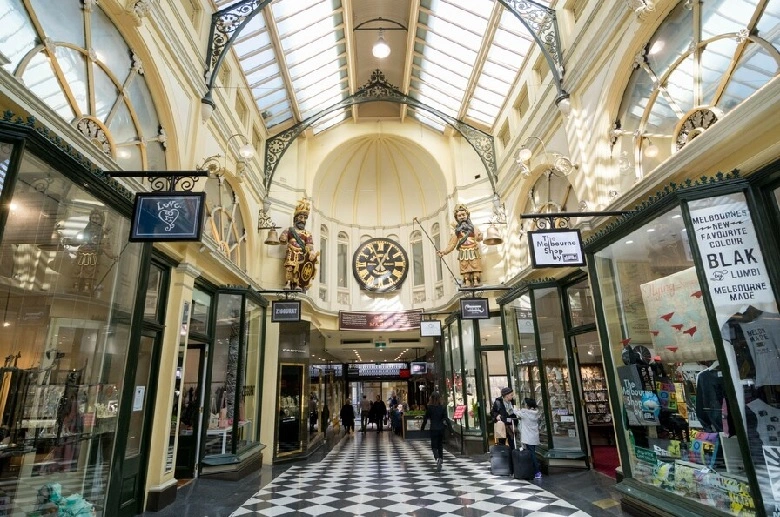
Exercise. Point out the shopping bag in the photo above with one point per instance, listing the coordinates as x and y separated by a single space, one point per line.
499 430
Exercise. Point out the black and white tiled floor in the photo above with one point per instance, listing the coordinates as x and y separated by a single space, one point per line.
381 475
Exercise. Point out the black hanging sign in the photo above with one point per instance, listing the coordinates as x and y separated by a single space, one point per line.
285 310
168 216
474 308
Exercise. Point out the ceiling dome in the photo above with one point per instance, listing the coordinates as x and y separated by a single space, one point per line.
379 180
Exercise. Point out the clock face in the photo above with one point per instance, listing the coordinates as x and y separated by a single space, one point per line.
380 265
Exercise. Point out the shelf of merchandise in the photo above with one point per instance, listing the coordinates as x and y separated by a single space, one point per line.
595 395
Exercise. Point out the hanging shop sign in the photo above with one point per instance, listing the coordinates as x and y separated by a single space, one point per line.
556 248
401 320
163 216
285 311
430 328
474 309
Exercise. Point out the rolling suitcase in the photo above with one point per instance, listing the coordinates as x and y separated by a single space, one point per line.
500 460
522 464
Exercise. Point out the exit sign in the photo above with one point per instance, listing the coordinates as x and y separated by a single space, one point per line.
380 344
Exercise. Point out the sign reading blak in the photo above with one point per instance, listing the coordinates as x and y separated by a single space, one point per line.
556 248
286 311
160 216
474 309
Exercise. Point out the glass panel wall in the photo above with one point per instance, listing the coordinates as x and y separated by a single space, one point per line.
448 395
457 379
68 283
470 373
249 374
557 370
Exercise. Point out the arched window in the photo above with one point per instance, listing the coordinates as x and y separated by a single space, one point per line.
343 259
75 60
225 223
704 60
436 231
323 254
418 260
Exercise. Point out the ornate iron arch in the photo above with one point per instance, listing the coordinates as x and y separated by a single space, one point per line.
378 89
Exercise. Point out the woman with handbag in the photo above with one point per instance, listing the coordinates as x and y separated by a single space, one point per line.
503 411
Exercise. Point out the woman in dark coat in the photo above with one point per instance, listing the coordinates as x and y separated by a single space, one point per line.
503 410
347 416
437 414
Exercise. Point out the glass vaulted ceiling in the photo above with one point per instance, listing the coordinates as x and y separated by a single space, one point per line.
310 46
448 73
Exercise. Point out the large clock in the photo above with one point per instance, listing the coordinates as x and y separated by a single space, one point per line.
380 265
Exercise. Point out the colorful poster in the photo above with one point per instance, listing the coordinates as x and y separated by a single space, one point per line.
679 328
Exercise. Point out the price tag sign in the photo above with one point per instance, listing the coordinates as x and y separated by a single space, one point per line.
460 410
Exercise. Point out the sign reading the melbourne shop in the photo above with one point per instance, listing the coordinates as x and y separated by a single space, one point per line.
474 309
175 216
556 248
730 254
401 320
285 310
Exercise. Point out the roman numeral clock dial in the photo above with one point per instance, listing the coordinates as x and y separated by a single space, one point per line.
380 265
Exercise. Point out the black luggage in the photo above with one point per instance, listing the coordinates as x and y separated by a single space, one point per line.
500 460
522 464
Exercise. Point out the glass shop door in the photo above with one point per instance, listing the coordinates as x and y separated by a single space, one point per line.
191 420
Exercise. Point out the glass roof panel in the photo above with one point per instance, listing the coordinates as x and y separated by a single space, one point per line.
429 120
331 120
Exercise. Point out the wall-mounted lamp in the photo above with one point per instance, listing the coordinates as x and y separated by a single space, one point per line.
215 168
264 222
650 150
563 103
381 49
559 164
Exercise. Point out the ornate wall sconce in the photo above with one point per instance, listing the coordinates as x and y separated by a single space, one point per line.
558 163
216 167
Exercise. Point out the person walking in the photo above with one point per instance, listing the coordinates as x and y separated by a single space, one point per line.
529 432
437 414
312 412
347 415
379 410
365 413
503 410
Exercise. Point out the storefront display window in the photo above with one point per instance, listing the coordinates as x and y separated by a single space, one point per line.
68 282
457 380
580 303
560 399
249 375
448 397
667 369
470 376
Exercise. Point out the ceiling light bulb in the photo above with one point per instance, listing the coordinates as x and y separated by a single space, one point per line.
651 151
381 49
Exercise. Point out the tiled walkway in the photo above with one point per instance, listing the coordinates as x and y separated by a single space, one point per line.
383 475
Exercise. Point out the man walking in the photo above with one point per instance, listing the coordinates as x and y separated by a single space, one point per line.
365 413
379 410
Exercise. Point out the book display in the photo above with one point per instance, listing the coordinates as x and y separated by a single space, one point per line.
594 391
560 401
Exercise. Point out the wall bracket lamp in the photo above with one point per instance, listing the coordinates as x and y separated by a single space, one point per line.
558 164
216 167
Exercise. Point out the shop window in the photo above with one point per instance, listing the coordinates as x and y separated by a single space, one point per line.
458 398
580 303
557 371
693 71
68 284
469 376
225 223
91 78
666 366
5 161
418 259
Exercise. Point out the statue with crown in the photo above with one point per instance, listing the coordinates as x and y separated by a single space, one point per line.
300 263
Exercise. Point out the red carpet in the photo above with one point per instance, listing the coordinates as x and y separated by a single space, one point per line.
605 459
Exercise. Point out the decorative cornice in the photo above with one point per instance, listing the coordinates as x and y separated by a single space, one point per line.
8 117
139 10
660 195
641 7
189 270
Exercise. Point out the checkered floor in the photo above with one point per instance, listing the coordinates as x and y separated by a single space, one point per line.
377 475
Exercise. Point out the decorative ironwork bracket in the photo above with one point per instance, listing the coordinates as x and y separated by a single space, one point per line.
541 22
561 220
164 181
378 89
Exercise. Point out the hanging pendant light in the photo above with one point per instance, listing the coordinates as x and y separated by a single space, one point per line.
381 49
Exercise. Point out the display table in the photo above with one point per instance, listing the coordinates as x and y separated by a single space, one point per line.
224 432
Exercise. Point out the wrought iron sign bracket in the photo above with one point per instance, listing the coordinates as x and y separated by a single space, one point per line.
552 220
164 181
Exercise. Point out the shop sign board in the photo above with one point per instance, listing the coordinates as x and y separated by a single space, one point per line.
474 309
460 410
430 328
379 321
167 216
646 455
556 248
285 310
